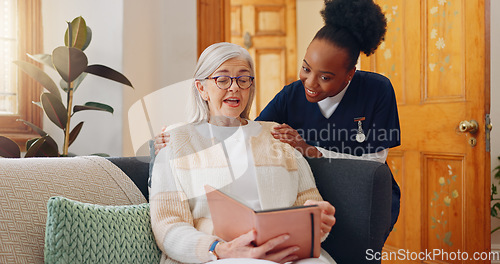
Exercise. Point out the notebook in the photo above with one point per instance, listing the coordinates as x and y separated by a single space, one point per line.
232 218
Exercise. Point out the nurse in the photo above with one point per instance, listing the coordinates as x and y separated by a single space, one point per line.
334 110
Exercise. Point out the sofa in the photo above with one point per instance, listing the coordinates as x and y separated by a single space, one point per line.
359 190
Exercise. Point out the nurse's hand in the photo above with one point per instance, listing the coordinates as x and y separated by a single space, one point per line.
161 140
287 134
243 247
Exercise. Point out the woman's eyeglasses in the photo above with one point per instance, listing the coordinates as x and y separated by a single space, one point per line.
224 82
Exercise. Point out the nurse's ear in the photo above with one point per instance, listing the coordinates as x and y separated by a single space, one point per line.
201 89
351 73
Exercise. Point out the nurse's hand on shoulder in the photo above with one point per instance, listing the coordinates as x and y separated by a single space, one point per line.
242 247
161 140
287 134
327 215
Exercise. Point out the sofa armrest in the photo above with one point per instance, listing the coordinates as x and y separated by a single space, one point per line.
137 169
361 193
27 184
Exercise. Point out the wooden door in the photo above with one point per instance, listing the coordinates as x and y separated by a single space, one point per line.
267 29
436 53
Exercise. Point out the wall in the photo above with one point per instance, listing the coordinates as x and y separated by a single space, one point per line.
159 49
101 131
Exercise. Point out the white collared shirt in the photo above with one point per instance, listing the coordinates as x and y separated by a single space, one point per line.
328 105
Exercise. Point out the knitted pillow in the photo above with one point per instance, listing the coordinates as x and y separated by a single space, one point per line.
79 232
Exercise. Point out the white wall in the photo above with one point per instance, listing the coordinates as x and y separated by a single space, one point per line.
160 49
101 131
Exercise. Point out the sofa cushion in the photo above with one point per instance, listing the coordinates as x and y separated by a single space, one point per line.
79 232
360 190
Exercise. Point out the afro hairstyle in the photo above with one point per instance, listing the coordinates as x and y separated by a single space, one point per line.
356 25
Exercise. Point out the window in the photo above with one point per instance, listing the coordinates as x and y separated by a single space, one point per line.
8 49
20 33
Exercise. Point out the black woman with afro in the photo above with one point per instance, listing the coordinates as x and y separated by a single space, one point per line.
334 110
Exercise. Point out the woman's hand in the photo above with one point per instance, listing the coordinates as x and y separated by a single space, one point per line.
327 215
242 247
161 140
287 134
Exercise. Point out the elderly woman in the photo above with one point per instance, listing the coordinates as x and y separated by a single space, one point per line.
221 147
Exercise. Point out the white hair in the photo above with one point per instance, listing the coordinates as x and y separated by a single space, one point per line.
210 60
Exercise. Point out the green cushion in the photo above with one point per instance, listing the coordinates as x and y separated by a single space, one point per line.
79 232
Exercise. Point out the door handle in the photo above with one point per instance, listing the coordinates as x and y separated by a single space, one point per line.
468 126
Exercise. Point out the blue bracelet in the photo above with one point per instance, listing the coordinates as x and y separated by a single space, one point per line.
212 249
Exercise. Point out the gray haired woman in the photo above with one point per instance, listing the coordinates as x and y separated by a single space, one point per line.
221 147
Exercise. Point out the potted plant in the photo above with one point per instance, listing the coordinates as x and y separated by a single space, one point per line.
71 63
495 207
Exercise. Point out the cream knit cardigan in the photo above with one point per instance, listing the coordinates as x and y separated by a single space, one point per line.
180 216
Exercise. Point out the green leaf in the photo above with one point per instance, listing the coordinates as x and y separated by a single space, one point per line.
34 127
31 152
89 38
30 142
447 239
76 82
9 148
447 59
45 59
69 62
46 147
74 133
50 147
433 219
40 76
54 109
78 32
93 106
108 73
68 39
